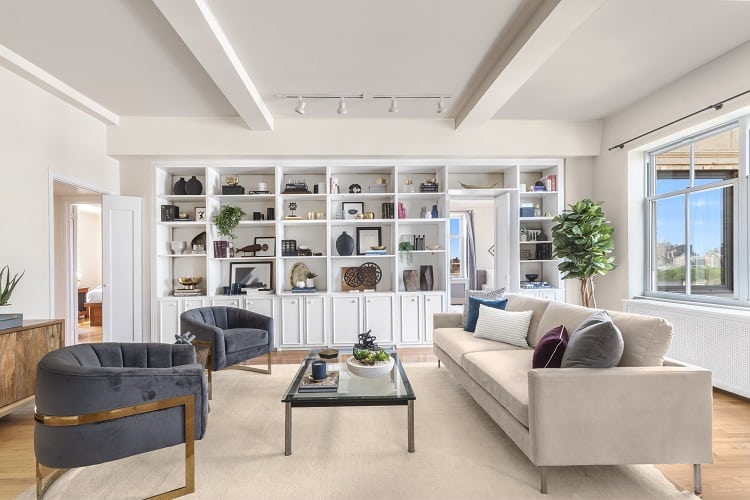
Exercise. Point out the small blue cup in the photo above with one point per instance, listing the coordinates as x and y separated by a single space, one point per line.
319 369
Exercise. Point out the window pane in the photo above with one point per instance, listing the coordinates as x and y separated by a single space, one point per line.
455 226
672 169
717 157
669 252
711 242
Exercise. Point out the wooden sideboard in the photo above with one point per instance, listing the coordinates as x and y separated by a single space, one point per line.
21 348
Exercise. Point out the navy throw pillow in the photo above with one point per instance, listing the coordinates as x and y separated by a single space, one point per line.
549 351
473 310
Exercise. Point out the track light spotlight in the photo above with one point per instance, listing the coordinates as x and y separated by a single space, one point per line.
300 107
441 105
342 107
394 105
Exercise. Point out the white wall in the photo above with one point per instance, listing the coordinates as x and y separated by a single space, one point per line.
618 174
89 246
39 135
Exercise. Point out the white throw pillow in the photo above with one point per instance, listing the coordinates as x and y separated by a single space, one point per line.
510 327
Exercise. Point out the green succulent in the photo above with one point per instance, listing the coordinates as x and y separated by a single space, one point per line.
368 357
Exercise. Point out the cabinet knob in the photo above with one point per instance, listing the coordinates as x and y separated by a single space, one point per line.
413 299
294 302
427 300
354 301
369 301
309 301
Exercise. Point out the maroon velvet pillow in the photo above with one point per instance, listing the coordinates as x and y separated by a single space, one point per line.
548 353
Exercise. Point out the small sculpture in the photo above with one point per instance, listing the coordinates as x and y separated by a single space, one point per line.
185 338
366 341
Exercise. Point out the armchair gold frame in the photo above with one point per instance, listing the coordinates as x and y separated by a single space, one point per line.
188 401
267 371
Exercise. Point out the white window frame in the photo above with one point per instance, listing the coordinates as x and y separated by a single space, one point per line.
462 242
741 222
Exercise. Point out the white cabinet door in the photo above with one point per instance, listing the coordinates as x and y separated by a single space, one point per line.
410 319
226 301
291 320
314 320
169 321
188 304
379 317
262 306
433 303
346 319
554 295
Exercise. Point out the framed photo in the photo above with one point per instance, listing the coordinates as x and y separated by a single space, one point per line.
526 255
352 208
200 214
367 237
267 246
252 274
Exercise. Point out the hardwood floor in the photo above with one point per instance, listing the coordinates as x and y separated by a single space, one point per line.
88 334
728 478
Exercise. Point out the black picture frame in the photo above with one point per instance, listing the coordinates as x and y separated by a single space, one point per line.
270 241
352 208
256 274
367 237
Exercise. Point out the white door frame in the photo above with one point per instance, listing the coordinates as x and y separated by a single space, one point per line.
71 282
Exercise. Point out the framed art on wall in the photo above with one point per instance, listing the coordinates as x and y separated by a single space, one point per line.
252 274
352 208
200 214
368 237
267 246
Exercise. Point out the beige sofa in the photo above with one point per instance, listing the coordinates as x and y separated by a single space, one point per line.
640 412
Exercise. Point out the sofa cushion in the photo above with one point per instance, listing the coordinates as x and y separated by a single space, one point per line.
473 310
503 326
504 375
456 343
520 302
482 294
596 343
238 339
646 338
550 349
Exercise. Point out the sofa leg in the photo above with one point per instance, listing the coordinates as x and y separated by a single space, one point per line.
438 363
543 480
697 483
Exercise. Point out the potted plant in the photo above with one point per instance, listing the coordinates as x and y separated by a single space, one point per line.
582 237
406 250
8 285
310 281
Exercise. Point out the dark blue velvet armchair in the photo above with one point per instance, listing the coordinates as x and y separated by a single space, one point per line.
101 402
235 335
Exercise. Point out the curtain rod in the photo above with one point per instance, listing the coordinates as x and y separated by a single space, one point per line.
717 106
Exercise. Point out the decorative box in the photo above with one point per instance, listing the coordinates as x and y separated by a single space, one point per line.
378 188
170 213
237 189
527 211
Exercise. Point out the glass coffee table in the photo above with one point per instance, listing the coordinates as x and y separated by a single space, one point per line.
387 390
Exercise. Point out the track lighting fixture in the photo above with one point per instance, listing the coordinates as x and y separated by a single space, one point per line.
342 107
394 105
300 107
441 105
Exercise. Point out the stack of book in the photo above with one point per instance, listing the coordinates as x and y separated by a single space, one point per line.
304 289
188 292
221 249
328 384
376 252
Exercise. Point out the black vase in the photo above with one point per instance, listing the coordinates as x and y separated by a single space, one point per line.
193 186
179 187
345 244
426 281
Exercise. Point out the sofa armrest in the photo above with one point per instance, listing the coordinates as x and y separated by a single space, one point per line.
206 333
621 415
446 320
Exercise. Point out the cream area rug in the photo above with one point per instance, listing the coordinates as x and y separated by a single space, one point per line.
354 453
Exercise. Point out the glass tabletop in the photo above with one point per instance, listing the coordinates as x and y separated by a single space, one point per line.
393 388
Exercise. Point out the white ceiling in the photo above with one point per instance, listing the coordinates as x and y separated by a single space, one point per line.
125 55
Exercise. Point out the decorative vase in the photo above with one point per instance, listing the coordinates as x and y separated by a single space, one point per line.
411 280
310 283
426 281
434 212
179 187
193 186
345 244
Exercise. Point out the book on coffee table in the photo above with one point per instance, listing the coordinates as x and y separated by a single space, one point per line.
328 384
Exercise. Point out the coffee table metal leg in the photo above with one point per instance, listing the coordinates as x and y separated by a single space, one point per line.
411 426
288 430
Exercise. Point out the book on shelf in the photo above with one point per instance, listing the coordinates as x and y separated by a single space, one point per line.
304 289
185 292
376 252
328 384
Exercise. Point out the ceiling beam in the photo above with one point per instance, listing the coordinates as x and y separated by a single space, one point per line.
520 52
196 24
36 75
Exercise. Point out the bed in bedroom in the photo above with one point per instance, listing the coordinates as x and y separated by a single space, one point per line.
93 305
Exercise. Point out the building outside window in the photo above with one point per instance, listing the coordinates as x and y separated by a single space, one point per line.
695 191
457 245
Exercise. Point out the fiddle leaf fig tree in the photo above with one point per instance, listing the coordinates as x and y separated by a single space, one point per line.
582 237
228 219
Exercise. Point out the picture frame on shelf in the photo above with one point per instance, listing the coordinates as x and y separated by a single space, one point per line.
256 275
526 255
267 246
367 237
200 214
352 208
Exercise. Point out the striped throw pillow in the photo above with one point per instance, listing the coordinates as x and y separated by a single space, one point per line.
482 294
510 327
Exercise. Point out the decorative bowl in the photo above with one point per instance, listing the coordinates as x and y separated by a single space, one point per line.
477 186
367 371
369 215
531 276
178 247
433 247
189 282
378 247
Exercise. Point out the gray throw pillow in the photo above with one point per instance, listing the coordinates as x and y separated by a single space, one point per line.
596 343
482 294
